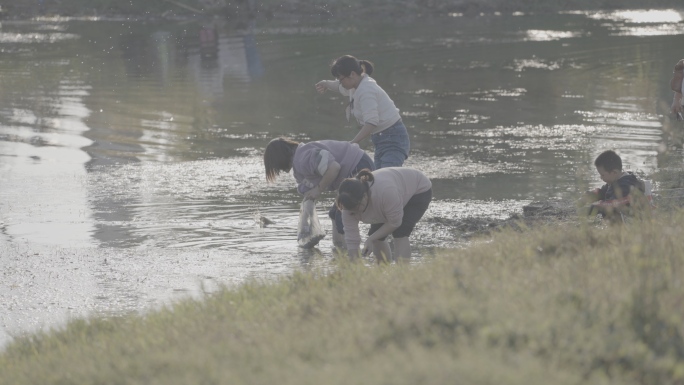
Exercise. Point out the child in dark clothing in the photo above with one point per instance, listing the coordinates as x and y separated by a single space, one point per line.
614 197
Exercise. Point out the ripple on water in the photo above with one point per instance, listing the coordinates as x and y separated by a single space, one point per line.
202 218
548 35
637 16
448 223
639 22
633 119
209 203
520 65
526 136
451 167
35 37
219 204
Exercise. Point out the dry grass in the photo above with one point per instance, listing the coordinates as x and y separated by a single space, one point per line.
567 304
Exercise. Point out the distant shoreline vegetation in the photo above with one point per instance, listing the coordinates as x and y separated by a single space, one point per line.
340 9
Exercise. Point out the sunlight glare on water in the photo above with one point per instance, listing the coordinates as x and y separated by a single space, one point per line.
131 152
631 22
13 38
539 35
193 115
637 16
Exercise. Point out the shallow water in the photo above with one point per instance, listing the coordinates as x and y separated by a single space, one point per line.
130 152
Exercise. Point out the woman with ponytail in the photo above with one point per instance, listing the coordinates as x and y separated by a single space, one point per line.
392 200
373 109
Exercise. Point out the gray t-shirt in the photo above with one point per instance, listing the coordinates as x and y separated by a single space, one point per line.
389 193
311 161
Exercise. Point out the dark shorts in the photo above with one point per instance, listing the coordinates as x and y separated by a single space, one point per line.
413 211
334 213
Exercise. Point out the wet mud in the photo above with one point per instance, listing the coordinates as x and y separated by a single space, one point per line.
538 213
125 192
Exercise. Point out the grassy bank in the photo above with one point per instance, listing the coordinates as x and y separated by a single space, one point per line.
347 9
567 304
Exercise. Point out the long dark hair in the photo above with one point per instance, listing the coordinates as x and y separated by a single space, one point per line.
278 157
344 65
351 191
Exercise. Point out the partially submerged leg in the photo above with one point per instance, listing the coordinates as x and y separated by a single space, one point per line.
382 251
402 249
337 238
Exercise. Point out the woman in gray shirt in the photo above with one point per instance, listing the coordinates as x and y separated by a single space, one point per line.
391 200
317 167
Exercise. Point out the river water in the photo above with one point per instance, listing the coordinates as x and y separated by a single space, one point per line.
130 152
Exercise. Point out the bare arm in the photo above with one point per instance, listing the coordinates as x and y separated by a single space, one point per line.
327 85
365 132
591 196
328 177
676 103
383 231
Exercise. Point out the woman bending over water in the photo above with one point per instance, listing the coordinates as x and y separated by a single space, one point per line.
317 167
392 200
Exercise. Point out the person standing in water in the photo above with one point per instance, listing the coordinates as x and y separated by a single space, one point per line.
318 166
376 113
392 200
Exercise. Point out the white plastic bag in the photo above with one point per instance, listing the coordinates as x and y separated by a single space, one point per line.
309 232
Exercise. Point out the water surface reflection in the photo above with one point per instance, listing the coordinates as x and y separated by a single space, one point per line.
130 153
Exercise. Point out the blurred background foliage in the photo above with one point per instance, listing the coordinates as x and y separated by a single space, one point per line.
338 9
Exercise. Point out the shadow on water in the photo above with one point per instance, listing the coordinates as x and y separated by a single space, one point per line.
140 144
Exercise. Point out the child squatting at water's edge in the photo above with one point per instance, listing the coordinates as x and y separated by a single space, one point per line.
615 197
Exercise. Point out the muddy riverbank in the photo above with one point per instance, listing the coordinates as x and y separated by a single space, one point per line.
130 152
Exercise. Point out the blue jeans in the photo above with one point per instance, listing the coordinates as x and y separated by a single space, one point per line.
392 146
334 213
